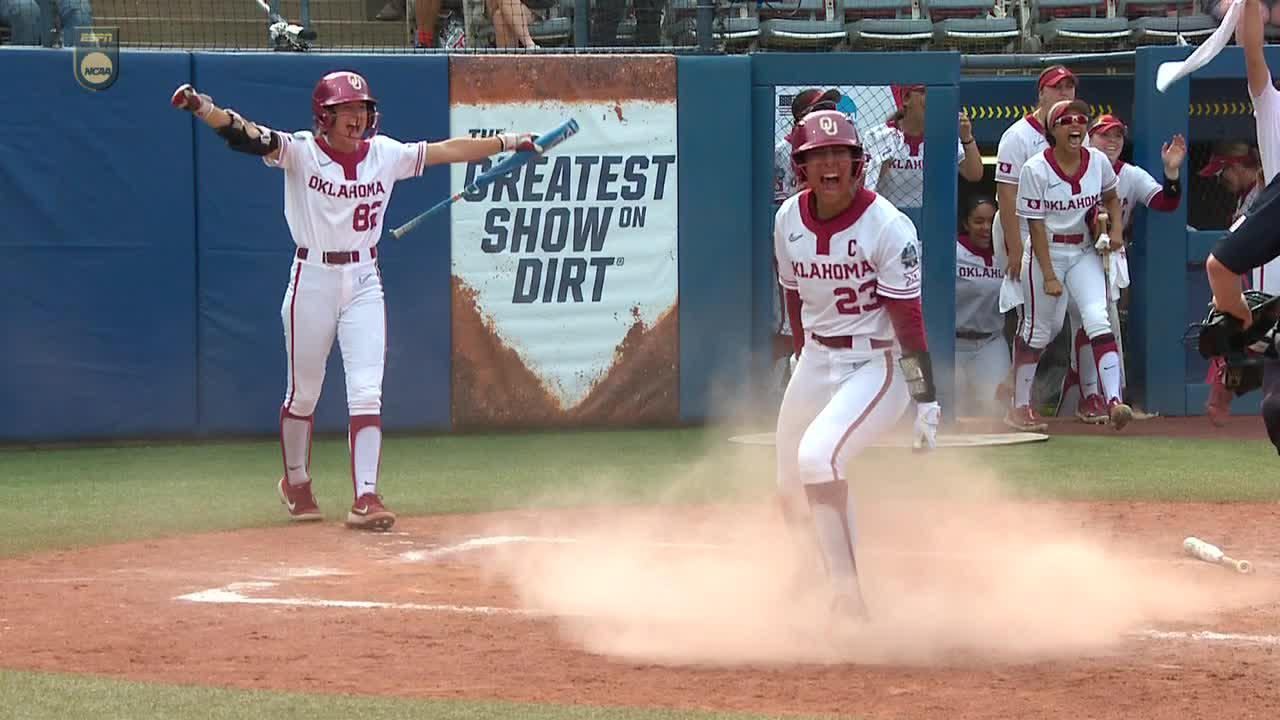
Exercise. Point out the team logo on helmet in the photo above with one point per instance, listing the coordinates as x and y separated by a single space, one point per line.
96 60
354 81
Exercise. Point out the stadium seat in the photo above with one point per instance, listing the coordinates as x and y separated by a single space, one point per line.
802 23
1078 24
886 24
970 23
734 25
1154 22
556 28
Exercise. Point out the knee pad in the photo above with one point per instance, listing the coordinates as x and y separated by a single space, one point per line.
364 392
1024 354
1095 320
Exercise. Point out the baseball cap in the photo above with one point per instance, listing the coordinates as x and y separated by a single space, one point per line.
1217 163
1054 75
808 100
1107 122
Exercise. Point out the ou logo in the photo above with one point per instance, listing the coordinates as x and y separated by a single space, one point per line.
354 81
828 125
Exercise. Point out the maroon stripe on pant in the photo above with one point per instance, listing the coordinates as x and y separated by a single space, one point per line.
866 412
293 339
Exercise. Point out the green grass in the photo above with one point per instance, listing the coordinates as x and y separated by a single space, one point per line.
95 495
60 697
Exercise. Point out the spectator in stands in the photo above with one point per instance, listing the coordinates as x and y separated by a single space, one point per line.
31 22
606 14
1238 167
895 167
982 355
511 24
425 15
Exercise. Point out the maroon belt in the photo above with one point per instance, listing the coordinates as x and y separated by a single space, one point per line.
1068 239
846 342
339 258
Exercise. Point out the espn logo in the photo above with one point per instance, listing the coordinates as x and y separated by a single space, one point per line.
1006 168
1033 204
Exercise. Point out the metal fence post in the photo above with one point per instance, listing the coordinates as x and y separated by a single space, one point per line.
306 13
706 14
581 11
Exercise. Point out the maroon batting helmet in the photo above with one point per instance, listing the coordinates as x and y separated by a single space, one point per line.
342 87
826 128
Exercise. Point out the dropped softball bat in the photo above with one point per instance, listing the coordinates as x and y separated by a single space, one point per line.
563 132
1210 553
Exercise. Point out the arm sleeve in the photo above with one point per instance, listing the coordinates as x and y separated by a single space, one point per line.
1031 193
1009 159
283 157
897 260
407 159
907 317
786 275
1266 111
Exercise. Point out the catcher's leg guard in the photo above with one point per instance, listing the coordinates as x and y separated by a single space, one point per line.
1271 400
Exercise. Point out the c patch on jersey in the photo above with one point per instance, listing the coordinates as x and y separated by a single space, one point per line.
910 256
96 60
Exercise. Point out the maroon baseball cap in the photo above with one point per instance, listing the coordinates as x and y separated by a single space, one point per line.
1054 75
900 93
1217 163
807 100
1107 122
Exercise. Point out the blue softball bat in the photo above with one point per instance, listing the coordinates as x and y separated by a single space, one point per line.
543 143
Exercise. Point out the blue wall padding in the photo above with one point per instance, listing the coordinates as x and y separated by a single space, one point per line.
98 269
714 255
245 249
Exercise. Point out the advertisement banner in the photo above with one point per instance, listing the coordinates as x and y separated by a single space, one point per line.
565 271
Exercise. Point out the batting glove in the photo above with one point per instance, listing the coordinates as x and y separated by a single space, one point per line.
186 98
925 432
519 142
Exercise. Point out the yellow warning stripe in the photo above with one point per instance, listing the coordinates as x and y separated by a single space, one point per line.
1220 109
1013 112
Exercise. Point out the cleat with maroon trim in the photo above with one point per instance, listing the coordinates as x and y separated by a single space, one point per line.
368 513
1024 419
1093 411
1121 414
299 501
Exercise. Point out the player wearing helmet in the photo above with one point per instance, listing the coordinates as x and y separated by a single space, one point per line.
338 177
849 263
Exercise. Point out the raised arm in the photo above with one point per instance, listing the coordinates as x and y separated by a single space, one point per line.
241 135
1249 35
474 149
971 165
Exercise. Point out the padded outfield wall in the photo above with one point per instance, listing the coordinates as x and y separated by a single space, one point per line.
145 264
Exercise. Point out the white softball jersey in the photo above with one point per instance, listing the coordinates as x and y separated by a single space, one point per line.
978 280
843 267
902 181
1064 202
1023 140
335 201
1135 187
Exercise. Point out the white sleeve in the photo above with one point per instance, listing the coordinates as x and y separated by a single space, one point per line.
879 148
1145 187
407 159
283 157
1109 179
959 151
1031 187
786 275
898 260
1266 111
1010 157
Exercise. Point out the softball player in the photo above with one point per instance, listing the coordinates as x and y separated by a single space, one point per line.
1252 243
982 355
1059 192
849 263
337 181
1134 186
895 150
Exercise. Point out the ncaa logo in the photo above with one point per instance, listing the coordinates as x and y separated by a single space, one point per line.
96 60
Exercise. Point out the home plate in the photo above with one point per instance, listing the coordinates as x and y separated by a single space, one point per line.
944 441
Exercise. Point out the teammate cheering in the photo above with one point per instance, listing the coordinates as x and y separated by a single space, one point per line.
850 266
982 355
1135 187
1059 192
338 178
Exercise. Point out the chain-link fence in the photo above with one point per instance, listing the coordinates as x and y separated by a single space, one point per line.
970 26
